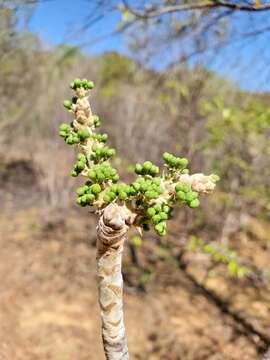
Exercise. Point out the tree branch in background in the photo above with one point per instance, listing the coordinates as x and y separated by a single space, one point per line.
168 9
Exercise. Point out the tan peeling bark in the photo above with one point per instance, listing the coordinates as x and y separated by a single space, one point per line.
112 231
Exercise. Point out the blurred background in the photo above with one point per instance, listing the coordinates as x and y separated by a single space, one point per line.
188 77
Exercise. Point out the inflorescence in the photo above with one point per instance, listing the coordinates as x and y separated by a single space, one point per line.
151 196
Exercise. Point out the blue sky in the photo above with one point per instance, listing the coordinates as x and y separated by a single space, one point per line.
60 21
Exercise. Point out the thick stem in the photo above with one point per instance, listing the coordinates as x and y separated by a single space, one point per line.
111 232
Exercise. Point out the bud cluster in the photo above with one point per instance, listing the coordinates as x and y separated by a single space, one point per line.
185 195
103 172
87 194
175 162
151 197
147 168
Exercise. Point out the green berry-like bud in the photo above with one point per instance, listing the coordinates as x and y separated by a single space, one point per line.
191 195
74 173
147 165
95 188
83 133
64 127
92 174
77 83
194 203
163 216
215 178
115 178
81 157
104 137
183 162
156 219
76 139
136 186
123 195
185 171
158 207
167 156
138 169
181 195
107 198
67 104
69 140
160 227
151 211
90 198
90 85
111 152
80 165
112 195
80 191
166 209
63 134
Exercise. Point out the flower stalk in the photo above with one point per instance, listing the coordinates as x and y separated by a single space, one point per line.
147 202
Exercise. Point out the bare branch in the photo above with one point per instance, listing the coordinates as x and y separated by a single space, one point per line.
163 10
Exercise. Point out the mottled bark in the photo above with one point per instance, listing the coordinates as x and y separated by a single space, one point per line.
111 232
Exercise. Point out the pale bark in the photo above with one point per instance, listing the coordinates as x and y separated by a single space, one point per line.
111 232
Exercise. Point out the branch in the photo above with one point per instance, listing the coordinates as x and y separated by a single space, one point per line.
163 10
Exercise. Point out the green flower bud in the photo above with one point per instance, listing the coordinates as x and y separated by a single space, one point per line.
156 219
185 171
151 211
74 173
154 170
83 133
67 104
104 137
138 168
112 195
63 134
136 186
80 165
147 165
111 152
166 209
95 188
215 178
183 162
89 198
194 203
114 188
92 174
76 139
77 83
163 216
64 127
96 121
191 195
107 198
123 195
115 178
80 191
158 207
167 156
160 227
81 157
181 195
72 85
90 85
100 176
69 140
